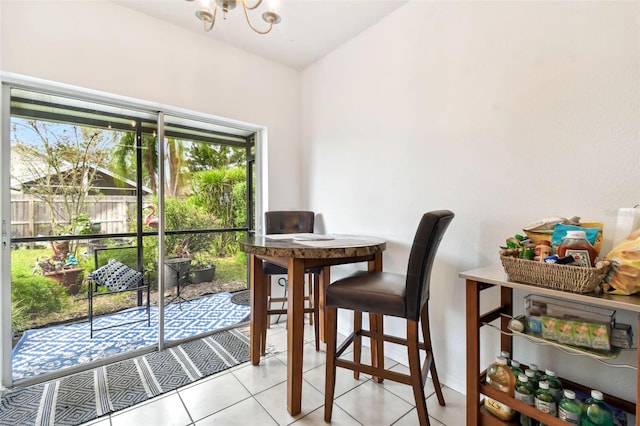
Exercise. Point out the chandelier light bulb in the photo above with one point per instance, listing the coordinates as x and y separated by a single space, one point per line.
208 17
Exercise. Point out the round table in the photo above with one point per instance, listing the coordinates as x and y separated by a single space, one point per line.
297 252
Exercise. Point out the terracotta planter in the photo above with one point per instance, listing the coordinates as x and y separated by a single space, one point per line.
70 278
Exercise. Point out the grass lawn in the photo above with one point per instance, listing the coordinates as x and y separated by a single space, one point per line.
38 301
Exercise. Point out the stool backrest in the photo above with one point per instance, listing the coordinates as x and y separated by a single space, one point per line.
289 222
423 251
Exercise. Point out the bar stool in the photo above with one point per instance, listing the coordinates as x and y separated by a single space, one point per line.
291 222
397 295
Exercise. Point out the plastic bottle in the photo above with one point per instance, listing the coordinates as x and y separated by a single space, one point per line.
531 375
506 355
537 374
500 377
545 401
555 387
595 412
575 244
568 408
524 392
515 368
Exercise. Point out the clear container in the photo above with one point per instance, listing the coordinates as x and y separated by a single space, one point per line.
575 244
569 409
501 378
595 412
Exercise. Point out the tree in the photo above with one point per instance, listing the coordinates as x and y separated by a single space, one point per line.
124 159
124 162
222 192
58 164
206 156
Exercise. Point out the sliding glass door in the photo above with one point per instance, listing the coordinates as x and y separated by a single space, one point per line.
95 184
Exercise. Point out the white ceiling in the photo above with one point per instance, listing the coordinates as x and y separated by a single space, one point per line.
309 29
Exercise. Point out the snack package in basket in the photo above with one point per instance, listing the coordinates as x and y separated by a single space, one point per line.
624 276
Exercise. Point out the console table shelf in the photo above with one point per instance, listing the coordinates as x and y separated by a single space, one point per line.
480 279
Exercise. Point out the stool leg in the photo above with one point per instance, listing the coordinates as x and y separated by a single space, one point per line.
357 342
267 318
426 335
311 297
417 382
316 309
268 284
377 345
330 335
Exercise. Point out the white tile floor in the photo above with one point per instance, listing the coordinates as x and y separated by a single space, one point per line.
256 395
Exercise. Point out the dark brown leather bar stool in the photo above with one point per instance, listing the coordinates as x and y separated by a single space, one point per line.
291 222
397 295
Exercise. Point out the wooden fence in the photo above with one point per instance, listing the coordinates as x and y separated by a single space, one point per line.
30 217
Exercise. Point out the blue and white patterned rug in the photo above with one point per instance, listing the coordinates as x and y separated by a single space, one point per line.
82 397
50 349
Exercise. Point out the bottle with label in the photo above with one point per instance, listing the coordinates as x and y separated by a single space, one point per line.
568 408
595 411
575 244
524 392
555 387
500 377
544 400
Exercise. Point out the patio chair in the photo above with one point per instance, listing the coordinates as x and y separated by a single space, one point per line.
116 278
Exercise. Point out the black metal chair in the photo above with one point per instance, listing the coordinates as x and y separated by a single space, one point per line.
291 222
397 295
115 277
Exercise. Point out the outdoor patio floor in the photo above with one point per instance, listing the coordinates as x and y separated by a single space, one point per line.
53 349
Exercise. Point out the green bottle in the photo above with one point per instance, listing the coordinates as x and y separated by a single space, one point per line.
515 367
536 371
545 401
506 355
568 408
595 412
531 375
555 387
524 392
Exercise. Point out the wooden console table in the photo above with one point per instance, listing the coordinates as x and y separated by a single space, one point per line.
480 279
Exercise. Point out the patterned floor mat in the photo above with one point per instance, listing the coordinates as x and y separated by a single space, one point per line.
84 396
53 348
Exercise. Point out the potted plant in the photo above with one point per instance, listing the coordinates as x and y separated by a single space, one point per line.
202 268
65 271
80 225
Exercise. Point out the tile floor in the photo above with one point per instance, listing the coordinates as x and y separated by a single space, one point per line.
256 395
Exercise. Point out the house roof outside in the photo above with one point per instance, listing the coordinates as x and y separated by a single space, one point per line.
105 183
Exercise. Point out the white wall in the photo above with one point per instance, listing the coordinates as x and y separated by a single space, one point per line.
504 112
102 46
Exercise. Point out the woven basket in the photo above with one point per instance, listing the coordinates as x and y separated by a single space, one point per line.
574 279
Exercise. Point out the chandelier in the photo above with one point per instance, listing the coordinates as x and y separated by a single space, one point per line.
208 16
